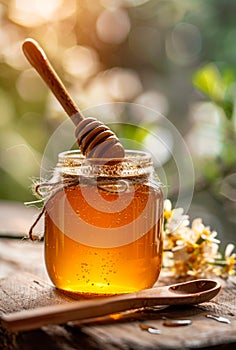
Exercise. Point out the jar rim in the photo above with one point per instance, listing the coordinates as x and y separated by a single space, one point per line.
128 153
135 163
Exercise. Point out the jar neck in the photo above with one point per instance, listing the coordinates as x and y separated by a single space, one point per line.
134 164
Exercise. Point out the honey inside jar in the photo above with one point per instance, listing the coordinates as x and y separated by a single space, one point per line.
103 235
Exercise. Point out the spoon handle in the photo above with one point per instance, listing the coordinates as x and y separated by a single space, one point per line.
58 314
38 59
79 310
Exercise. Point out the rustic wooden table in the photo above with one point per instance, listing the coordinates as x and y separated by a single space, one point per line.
25 285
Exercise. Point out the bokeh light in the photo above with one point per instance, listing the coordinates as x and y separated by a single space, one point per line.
113 26
123 84
184 43
81 62
140 51
204 138
154 100
119 3
161 142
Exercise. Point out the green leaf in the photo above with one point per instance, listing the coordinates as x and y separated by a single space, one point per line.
228 77
211 169
216 86
209 81
227 107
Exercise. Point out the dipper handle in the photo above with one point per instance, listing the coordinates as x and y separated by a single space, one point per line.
38 59
94 138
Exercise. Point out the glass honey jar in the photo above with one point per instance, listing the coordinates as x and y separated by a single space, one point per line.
103 224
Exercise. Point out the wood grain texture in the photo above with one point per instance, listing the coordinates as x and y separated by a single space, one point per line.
193 292
21 290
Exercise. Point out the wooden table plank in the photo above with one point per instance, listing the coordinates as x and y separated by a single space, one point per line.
30 287
21 255
23 290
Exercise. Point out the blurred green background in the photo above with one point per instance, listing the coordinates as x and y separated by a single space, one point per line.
177 57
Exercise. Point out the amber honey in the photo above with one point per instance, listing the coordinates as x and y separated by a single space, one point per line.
105 236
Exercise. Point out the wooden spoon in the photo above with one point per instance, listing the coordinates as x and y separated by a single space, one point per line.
94 138
185 293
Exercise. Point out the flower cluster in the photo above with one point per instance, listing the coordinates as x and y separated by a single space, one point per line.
193 250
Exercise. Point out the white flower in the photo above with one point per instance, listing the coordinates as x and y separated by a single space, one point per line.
204 231
177 219
210 251
193 250
229 250
167 205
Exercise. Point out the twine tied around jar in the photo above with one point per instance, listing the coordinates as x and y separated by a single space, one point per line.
47 190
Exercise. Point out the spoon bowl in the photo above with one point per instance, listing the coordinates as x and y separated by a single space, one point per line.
186 293
193 287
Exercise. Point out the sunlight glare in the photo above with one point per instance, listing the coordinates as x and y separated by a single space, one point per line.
32 13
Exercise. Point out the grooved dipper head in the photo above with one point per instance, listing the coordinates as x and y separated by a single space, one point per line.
96 140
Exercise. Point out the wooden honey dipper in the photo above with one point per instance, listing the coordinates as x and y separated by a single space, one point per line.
94 138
